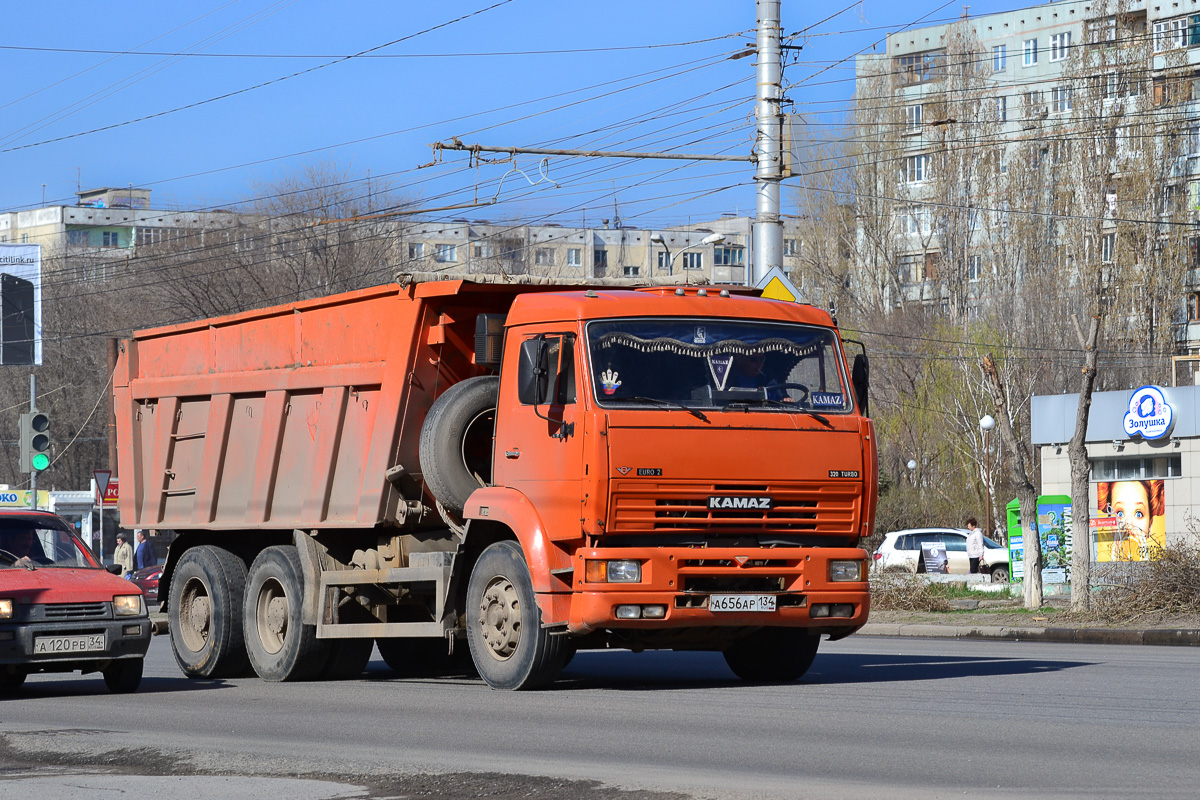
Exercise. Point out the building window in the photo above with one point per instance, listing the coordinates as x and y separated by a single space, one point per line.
77 238
1108 243
445 253
915 168
914 220
631 272
24 238
110 239
481 250
912 119
663 261
600 258
1002 109
574 257
999 58
1170 34
1102 31
974 268
543 257
1060 99
910 268
1174 89
1136 469
920 67
1060 46
791 247
1029 53
693 261
1193 307
736 256
416 250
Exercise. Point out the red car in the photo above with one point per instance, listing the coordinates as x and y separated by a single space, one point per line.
146 579
61 610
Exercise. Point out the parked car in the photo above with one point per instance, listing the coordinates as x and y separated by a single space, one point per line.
901 550
146 579
61 610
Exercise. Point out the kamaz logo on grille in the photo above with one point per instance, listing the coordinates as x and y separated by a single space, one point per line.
720 502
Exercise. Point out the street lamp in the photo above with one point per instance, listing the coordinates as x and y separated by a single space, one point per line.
657 238
986 423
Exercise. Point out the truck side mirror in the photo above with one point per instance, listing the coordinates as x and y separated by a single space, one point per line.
533 379
861 375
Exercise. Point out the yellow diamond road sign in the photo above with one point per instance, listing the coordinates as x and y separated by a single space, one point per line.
775 285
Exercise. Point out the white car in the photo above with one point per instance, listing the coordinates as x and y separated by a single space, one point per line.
901 550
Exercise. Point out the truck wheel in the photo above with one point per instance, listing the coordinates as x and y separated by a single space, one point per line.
772 655
456 440
347 659
205 613
124 676
509 646
280 647
413 655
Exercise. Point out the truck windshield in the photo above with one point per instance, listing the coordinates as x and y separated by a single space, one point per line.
27 542
717 364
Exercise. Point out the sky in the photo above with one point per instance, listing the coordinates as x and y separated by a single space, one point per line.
212 104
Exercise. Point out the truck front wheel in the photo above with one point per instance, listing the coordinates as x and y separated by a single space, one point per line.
281 648
509 646
205 613
772 655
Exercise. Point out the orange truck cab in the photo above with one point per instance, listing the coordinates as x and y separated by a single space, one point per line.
534 469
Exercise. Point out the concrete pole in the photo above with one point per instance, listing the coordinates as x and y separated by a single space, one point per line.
768 228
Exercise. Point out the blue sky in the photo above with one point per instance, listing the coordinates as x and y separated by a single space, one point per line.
638 75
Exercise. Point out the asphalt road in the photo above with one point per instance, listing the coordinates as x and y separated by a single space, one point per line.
876 717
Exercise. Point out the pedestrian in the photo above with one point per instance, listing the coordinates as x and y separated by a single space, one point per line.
145 556
123 556
974 545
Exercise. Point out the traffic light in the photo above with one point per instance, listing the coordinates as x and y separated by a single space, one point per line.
35 441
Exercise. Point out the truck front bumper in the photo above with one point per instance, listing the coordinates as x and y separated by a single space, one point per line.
678 586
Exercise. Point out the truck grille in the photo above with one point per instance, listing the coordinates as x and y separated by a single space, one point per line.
830 509
76 611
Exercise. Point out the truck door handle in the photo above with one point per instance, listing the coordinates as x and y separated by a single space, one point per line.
512 453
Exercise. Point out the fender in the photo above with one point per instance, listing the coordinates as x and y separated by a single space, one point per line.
513 509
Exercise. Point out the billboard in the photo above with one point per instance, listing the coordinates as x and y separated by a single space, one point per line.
1131 522
20 304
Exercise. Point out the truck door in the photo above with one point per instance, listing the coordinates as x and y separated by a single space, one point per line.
539 450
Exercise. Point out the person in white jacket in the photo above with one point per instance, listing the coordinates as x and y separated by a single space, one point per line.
974 545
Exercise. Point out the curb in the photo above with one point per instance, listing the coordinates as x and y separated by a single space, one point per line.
1186 637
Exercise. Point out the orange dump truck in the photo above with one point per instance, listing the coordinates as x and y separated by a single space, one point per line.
534 469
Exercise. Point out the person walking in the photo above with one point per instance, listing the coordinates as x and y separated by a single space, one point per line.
145 556
123 555
974 545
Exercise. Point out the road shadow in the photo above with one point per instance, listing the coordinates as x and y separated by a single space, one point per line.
52 685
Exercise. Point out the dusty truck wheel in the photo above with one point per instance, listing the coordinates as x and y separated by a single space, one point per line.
772 655
411 655
205 613
347 659
456 440
280 647
509 646
124 676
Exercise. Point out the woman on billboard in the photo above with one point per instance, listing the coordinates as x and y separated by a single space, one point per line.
1139 508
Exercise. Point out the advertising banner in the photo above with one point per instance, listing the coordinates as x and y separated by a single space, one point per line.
1054 531
1130 524
20 304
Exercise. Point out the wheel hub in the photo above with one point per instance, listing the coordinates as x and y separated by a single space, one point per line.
500 618
271 614
195 615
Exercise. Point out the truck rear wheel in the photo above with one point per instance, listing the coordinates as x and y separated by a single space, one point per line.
205 613
124 676
347 659
456 441
772 655
280 647
509 646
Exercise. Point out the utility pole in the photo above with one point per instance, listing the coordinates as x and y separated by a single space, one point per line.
33 473
768 226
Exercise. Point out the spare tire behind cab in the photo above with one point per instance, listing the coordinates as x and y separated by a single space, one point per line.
456 441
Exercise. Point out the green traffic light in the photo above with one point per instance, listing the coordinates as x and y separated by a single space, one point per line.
40 461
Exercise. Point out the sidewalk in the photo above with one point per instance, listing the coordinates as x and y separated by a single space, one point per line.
1156 636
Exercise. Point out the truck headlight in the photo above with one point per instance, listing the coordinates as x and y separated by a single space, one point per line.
840 571
128 605
5 609
624 571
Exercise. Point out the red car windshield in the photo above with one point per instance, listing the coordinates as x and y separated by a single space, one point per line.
39 542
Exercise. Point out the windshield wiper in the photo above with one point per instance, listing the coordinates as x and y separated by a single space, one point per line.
695 412
781 404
